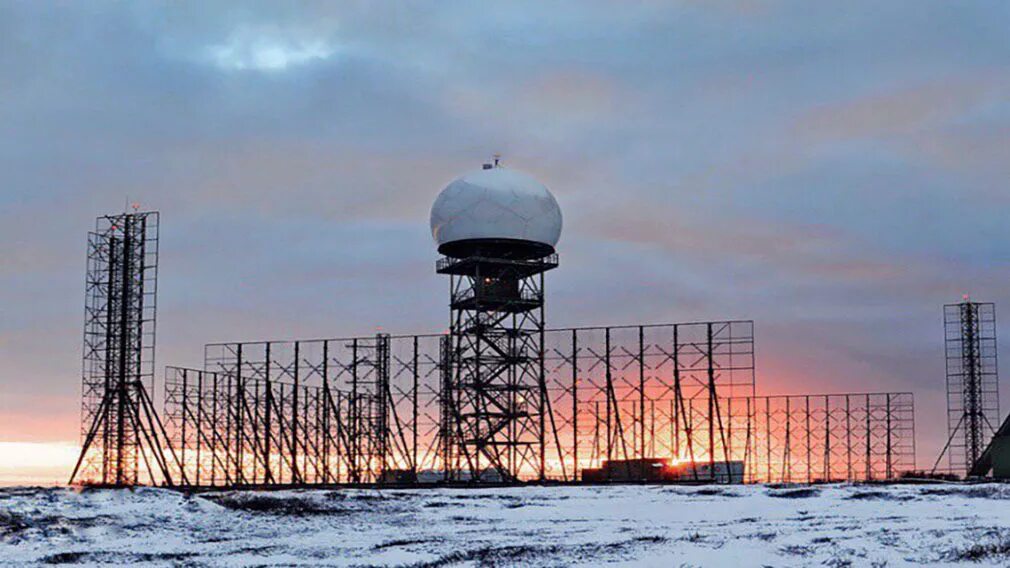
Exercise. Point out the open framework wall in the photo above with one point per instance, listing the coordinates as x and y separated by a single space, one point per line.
120 437
347 410
970 356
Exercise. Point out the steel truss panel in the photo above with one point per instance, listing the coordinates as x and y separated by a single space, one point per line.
678 391
972 382
122 436
835 437
304 411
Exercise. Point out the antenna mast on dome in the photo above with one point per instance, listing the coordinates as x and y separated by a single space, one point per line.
494 163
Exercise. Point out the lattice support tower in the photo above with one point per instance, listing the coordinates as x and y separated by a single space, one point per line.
122 437
496 393
972 382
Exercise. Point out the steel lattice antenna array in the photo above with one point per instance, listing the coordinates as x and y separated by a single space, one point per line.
497 398
972 382
122 434
221 426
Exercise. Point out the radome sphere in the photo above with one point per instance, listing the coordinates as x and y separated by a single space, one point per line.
496 210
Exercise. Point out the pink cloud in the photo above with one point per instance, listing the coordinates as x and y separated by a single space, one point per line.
904 111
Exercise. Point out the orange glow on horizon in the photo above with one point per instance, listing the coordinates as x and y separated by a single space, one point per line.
36 463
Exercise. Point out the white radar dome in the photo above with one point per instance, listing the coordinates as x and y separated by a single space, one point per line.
496 210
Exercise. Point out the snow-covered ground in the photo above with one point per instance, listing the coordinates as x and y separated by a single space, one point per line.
838 525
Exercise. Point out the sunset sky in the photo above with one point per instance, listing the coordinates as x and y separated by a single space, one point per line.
834 171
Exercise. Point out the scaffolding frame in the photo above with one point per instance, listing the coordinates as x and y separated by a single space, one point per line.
122 436
495 402
972 384
639 369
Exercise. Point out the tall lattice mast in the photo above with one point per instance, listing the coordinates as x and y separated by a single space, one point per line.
972 382
122 435
496 334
